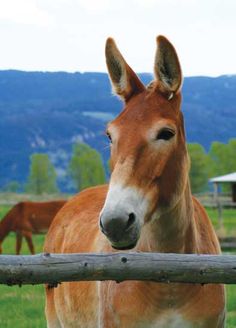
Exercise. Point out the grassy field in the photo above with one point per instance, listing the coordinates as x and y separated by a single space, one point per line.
21 307
24 307
229 220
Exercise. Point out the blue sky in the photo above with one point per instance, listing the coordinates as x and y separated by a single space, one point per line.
69 35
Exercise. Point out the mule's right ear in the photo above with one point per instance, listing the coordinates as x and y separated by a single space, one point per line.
124 81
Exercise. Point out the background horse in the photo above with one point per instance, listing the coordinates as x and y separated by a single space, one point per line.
27 218
147 207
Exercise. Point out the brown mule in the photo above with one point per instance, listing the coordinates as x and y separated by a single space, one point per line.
147 207
27 218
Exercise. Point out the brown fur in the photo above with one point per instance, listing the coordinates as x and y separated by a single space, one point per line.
27 218
174 220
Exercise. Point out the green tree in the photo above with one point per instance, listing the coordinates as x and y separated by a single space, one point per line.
12 186
86 167
219 155
231 162
42 176
200 166
224 157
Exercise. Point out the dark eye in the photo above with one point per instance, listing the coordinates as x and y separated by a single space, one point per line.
165 134
109 137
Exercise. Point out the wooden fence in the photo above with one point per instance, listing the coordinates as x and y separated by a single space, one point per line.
165 268
227 243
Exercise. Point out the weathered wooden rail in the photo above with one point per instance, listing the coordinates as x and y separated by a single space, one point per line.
56 268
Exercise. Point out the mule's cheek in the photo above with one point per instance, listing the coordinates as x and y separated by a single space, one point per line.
152 204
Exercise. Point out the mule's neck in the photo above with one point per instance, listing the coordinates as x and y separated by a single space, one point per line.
174 231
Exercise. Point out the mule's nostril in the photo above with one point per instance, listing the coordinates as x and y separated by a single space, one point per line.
130 221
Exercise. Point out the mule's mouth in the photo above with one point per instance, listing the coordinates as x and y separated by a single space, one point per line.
124 248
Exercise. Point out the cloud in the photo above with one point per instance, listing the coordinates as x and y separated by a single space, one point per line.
70 34
23 12
94 5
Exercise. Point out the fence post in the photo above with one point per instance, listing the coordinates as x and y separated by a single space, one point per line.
218 204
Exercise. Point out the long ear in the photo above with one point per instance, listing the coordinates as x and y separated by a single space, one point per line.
124 81
167 67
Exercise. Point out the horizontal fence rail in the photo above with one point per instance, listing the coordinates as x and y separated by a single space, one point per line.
165 268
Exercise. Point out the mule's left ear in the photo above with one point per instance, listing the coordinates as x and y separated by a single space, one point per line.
167 67
123 79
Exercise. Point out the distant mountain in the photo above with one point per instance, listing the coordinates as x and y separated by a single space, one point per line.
48 112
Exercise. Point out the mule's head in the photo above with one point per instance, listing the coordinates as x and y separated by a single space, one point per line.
149 161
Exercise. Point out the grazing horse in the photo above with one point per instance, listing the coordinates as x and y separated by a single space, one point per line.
27 218
147 207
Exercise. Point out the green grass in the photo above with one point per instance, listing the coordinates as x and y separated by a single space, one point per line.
21 307
24 307
231 308
229 221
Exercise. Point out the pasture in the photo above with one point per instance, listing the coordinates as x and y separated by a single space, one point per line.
24 307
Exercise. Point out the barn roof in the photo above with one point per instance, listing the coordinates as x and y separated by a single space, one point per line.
225 178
